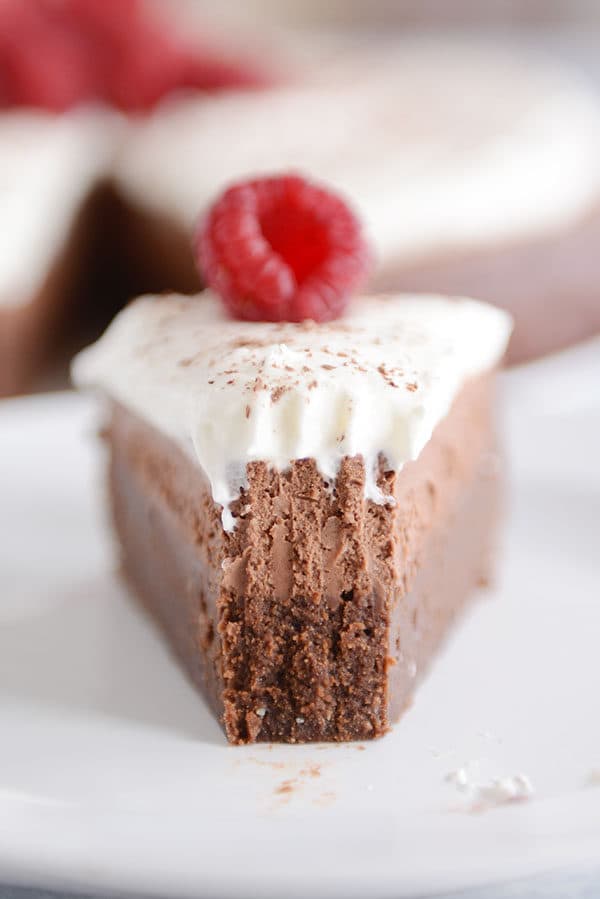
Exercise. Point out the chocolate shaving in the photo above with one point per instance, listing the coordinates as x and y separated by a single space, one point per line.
278 392
247 343
386 375
257 384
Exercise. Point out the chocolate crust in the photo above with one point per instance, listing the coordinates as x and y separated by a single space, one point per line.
317 616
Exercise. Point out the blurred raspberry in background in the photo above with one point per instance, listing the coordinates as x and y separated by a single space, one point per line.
56 54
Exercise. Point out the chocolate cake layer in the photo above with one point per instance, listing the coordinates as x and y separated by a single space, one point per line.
315 618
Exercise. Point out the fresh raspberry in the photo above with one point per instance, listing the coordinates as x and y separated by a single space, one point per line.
282 249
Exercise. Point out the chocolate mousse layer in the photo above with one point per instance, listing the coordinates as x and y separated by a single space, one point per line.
315 618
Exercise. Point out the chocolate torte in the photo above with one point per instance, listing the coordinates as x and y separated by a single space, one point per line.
304 508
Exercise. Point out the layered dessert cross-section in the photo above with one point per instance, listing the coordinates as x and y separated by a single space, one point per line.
303 508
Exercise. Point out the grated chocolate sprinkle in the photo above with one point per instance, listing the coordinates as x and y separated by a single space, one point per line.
279 392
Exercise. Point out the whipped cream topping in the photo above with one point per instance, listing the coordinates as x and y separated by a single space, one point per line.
229 392
48 166
437 144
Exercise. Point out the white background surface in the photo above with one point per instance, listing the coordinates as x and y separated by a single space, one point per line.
113 773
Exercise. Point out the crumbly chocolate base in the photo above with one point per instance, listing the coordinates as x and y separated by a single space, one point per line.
317 616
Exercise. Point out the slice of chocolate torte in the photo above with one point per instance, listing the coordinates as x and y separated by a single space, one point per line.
303 506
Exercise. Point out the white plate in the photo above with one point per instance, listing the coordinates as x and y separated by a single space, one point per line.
114 775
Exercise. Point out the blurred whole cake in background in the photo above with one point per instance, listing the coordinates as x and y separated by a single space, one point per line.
75 77
476 171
